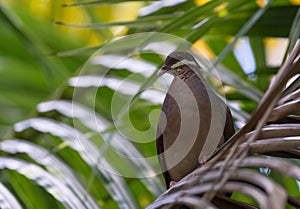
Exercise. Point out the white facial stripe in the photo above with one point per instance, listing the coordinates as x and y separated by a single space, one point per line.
183 62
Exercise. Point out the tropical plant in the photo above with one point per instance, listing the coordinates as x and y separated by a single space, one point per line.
80 101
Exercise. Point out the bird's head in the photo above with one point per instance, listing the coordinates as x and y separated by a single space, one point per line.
177 63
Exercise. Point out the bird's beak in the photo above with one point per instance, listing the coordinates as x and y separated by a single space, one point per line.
162 71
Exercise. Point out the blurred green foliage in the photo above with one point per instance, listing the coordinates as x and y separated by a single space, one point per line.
44 44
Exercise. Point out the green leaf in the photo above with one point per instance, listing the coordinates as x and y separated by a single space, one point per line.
101 2
294 32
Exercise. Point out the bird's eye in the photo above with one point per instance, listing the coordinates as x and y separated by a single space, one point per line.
179 70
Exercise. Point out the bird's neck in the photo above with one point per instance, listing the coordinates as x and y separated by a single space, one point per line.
189 75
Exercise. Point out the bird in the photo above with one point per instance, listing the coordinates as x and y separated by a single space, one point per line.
194 121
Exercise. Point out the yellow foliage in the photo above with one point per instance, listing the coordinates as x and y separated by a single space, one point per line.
275 49
295 2
261 3
52 10
204 49
41 8
201 2
124 12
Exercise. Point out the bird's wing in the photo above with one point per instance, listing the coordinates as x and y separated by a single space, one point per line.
160 151
165 112
228 129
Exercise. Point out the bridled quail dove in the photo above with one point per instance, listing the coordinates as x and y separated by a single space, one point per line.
194 121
